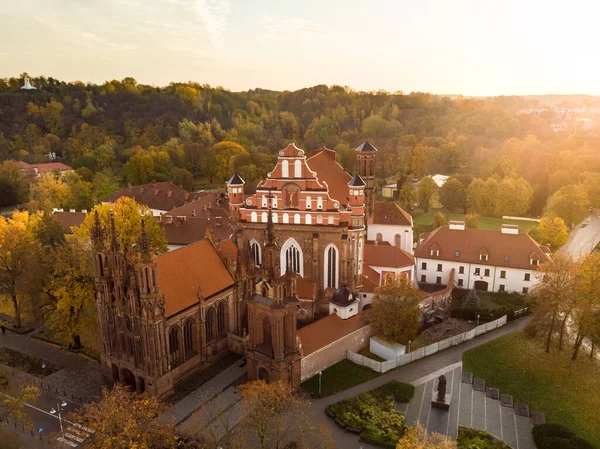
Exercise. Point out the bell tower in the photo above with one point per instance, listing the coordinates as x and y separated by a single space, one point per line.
365 167
235 193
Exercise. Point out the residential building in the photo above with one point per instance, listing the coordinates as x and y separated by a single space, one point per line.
43 168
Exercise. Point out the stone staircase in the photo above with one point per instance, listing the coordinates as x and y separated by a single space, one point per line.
473 405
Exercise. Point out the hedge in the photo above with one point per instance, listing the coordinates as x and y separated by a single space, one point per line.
557 436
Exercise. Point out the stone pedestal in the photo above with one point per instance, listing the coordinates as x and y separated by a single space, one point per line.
442 405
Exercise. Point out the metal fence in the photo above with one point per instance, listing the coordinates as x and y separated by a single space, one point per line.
382 367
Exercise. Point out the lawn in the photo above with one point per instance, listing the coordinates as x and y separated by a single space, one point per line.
338 377
373 413
29 364
566 391
426 219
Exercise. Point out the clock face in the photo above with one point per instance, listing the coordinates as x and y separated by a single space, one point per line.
249 202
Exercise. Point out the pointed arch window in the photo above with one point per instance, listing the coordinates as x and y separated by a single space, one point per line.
222 319
256 252
210 324
267 336
189 338
331 266
175 349
292 257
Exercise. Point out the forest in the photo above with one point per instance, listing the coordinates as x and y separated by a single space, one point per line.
195 135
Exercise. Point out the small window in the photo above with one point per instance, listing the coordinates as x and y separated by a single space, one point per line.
527 276
438 280
501 288
525 290
535 262
477 271
423 278
461 270
460 282
435 252
483 257
330 220
423 265
319 202
487 272
503 274
506 259
457 253
308 201
439 268
351 309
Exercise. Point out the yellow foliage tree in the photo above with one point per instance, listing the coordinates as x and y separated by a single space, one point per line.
418 438
47 193
553 231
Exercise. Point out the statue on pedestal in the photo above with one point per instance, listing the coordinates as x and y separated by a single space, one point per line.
441 397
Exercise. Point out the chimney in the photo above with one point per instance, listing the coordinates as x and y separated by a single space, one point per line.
510 229
193 212
376 242
457 225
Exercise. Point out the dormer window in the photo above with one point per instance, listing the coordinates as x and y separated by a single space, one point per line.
435 252
534 262
506 259
483 257
457 254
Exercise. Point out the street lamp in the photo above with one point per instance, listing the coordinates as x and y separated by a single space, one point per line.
59 408
478 319
320 376
409 342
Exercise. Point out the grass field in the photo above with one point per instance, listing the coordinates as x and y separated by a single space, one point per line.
426 218
338 377
566 391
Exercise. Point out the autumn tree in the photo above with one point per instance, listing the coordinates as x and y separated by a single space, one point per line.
276 417
124 419
420 160
183 178
513 197
395 313
553 297
426 192
127 215
224 152
407 196
69 306
482 196
18 253
139 169
552 231
47 193
569 203
14 186
453 195
439 219
586 312
472 221
418 438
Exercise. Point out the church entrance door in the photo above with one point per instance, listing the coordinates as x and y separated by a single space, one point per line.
263 374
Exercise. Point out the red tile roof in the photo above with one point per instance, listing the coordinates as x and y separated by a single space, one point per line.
45 167
188 271
390 214
184 230
227 249
382 254
159 195
329 171
371 279
305 288
69 219
328 330
471 242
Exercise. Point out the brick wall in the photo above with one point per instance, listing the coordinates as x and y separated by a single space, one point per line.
335 352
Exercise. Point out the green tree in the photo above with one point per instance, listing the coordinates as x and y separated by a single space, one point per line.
395 313
553 232
183 178
420 160
407 196
439 219
569 203
453 195
47 193
425 192
591 184
224 153
472 221
139 169
14 186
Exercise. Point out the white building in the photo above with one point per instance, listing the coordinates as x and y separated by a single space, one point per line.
503 260
440 180
390 223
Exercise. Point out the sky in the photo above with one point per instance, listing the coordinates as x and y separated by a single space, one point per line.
467 47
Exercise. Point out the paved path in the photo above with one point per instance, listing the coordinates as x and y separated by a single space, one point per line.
584 238
193 402
411 373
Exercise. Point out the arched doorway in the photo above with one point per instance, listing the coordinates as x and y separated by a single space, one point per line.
127 378
481 286
141 385
115 373
263 374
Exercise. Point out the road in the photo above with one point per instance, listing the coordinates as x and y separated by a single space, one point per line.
584 238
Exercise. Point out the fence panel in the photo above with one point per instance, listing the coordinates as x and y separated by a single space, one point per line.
480 329
356 358
388 365
404 359
502 321
458 339
431 349
469 335
491 325
375 366
418 354
445 344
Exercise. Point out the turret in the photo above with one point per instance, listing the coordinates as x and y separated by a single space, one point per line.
365 167
356 194
235 191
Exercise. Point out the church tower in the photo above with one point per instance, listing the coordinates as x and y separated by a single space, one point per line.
235 193
365 167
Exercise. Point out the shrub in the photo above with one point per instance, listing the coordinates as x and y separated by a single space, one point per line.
402 392
556 436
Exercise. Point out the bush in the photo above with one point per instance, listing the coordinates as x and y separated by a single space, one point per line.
478 439
556 436
402 392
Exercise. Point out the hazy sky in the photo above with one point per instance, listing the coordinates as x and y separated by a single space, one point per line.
471 47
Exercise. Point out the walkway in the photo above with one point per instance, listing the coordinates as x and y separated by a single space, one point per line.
584 237
411 373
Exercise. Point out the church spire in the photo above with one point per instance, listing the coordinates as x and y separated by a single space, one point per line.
144 242
114 241
98 233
